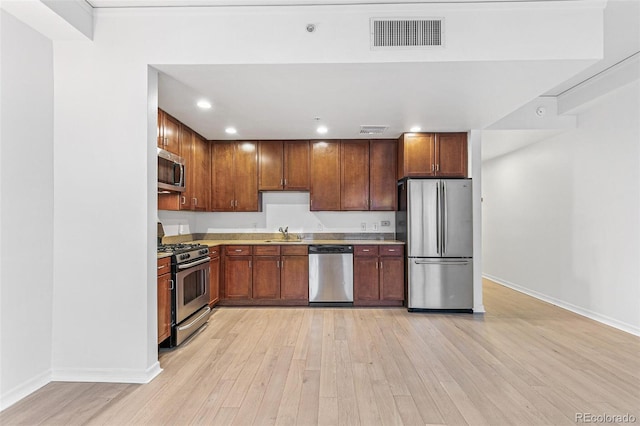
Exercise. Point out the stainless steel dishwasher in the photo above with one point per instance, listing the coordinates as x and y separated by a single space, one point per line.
331 275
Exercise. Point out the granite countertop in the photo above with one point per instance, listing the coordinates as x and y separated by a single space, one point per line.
212 243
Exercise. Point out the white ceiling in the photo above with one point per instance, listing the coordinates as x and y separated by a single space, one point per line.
236 3
281 101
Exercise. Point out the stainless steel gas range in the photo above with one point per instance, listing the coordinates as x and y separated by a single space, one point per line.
190 291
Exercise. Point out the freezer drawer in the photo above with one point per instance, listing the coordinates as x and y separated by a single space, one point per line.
440 284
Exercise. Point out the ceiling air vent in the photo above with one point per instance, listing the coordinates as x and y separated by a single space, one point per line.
389 33
372 130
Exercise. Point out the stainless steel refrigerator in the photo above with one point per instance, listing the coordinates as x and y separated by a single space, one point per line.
435 220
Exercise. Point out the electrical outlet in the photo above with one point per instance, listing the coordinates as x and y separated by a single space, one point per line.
385 223
375 226
363 226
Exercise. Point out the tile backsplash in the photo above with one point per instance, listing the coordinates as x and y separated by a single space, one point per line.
279 209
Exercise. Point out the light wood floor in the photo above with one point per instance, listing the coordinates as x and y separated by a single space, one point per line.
523 362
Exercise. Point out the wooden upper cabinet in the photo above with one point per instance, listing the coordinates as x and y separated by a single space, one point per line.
325 175
451 154
416 155
246 177
283 165
200 173
270 165
432 155
168 132
186 152
222 187
234 180
296 165
383 191
354 175
160 136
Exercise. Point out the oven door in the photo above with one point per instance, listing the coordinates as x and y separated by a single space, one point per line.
192 287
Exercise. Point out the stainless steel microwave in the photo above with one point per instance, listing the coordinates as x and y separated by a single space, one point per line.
171 172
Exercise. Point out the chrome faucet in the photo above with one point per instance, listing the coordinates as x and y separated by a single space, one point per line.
285 232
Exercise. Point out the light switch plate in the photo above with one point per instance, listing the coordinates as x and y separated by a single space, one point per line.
385 223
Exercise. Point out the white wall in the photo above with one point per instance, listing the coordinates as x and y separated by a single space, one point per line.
279 209
562 216
26 214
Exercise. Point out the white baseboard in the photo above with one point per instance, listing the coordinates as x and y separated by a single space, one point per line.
17 393
628 328
106 375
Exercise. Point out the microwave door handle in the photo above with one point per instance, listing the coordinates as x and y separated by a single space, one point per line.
181 169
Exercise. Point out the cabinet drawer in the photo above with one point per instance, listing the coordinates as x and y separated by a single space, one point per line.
266 250
164 265
294 250
391 250
214 251
238 250
365 250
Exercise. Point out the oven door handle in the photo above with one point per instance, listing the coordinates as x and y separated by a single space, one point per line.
194 263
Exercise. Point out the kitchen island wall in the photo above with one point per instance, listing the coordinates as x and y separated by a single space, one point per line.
279 209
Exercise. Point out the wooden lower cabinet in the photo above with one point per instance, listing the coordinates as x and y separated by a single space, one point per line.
266 277
294 275
378 275
164 300
214 276
278 275
237 277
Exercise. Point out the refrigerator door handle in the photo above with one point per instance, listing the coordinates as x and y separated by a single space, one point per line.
442 262
444 218
438 219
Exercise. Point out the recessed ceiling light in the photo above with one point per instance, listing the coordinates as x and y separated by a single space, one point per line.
204 104
231 130
322 130
415 129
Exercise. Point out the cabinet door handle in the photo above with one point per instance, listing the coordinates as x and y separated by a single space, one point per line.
381 264
285 182
277 263
437 167
281 182
183 200
236 203
231 203
376 264
195 201
238 250
433 167
365 250
172 286
249 264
